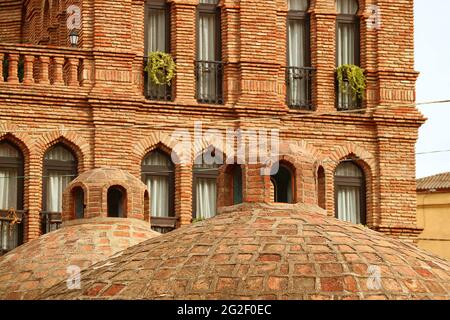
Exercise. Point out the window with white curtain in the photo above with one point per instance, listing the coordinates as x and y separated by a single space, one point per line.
350 193
283 184
158 175
60 168
347 44
209 64
299 72
157 35
11 194
205 189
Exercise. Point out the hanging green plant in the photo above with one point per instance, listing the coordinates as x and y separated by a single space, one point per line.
351 79
160 68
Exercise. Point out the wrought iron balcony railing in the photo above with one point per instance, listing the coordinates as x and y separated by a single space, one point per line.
163 224
50 221
153 91
209 76
299 83
345 101
11 230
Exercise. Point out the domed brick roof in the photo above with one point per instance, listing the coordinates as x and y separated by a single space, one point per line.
263 251
42 263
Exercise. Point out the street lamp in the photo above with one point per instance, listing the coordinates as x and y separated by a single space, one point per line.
73 37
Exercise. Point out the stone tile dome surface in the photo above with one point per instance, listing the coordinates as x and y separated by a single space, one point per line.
105 175
42 263
263 251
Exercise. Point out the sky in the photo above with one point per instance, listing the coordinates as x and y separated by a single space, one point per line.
432 54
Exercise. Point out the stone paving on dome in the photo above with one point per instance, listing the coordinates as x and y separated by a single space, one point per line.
262 251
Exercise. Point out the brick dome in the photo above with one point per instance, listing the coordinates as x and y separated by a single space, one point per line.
263 251
42 263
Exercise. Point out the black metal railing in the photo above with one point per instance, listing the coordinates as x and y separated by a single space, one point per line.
163 224
11 230
154 91
50 221
299 84
345 100
209 76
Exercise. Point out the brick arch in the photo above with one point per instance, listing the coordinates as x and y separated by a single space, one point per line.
77 144
20 141
156 140
350 149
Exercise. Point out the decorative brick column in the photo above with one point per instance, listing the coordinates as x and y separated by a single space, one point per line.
183 21
183 194
256 187
323 31
34 198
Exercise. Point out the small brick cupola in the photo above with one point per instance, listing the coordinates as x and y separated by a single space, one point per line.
106 193
105 211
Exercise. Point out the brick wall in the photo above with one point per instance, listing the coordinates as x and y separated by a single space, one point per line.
107 119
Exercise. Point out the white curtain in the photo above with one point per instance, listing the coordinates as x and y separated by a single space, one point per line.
347 6
206 194
158 187
206 51
8 188
298 5
59 153
209 1
349 206
297 58
156 30
57 181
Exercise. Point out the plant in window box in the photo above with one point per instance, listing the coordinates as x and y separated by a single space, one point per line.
351 80
160 68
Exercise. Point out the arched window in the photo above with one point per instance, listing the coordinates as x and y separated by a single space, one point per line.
158 175
350 193
321 188
78 202
283 184
347 45
60 168
209 67
116 202
205 189
233 185
11 194
299 71
157 38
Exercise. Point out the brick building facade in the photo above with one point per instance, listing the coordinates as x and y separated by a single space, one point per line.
244 64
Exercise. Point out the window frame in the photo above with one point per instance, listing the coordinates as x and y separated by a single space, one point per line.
56 165
160 171
212 173
157 5
210 9
19 164
298 15
355 20
352 182
293 183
